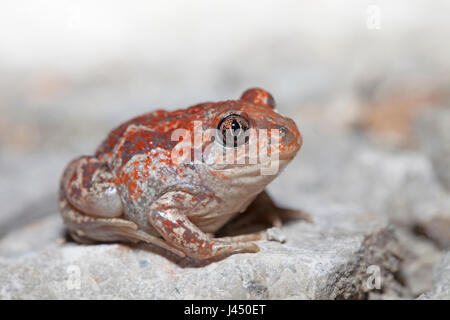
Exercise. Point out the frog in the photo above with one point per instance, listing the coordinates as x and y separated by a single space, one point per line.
131 189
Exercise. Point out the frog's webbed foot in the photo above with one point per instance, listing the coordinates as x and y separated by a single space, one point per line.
261 213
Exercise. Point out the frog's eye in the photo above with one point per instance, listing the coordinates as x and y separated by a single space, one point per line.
232 130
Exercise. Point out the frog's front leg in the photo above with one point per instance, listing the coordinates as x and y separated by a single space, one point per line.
263 211
267 210
174 226
91 207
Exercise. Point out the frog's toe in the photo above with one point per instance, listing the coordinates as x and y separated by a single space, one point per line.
243 238
227 247
296 214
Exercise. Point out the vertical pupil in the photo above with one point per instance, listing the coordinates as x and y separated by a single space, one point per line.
235 127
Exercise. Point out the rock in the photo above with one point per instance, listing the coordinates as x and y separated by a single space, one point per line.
342 167
432 129
420 255
441 281
436 229
328 259
276 234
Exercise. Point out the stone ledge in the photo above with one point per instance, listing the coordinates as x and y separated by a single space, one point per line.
324 260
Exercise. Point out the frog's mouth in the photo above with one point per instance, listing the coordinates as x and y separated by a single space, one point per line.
272 167
246 155
288 155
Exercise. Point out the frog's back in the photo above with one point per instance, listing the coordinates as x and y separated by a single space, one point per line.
156 126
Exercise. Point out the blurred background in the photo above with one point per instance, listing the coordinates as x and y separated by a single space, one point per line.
367 82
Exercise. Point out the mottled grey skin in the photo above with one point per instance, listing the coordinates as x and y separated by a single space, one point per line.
132 191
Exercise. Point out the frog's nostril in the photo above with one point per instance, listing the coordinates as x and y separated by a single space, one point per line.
283 132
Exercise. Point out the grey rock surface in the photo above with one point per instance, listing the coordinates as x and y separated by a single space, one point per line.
433 134
441 281
432 129
343 167
419 257
324 260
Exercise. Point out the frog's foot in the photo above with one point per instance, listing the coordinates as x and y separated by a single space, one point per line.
180 232
261 213
286 214
275 217
86 229
265 210
242 238
91 207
